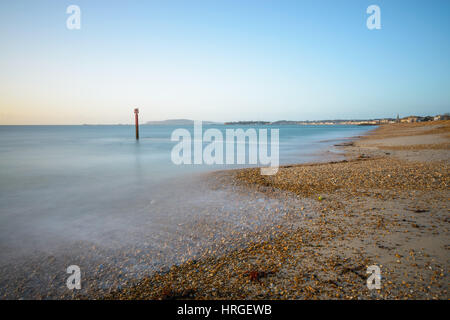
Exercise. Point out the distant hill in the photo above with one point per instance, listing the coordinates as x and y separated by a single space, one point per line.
178 122
248 123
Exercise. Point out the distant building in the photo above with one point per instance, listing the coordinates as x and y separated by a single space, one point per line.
442 117
409 119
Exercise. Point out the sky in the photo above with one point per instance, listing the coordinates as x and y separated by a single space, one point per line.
222 60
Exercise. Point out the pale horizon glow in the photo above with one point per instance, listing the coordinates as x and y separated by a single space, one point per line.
222 61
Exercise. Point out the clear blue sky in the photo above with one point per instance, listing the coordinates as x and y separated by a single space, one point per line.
222 60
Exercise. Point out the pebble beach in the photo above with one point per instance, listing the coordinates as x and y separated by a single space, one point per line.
386 204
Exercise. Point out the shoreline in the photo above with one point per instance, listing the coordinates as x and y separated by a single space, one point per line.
386 205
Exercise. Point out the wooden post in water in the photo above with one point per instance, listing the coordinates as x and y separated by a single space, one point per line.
136 112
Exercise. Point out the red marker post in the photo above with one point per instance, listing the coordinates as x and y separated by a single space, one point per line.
136 112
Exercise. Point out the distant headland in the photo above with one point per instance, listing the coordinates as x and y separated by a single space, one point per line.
178 122
362 122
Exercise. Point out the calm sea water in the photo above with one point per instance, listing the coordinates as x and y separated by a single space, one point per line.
51 176
61 185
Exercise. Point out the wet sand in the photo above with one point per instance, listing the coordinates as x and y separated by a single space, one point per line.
387 204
